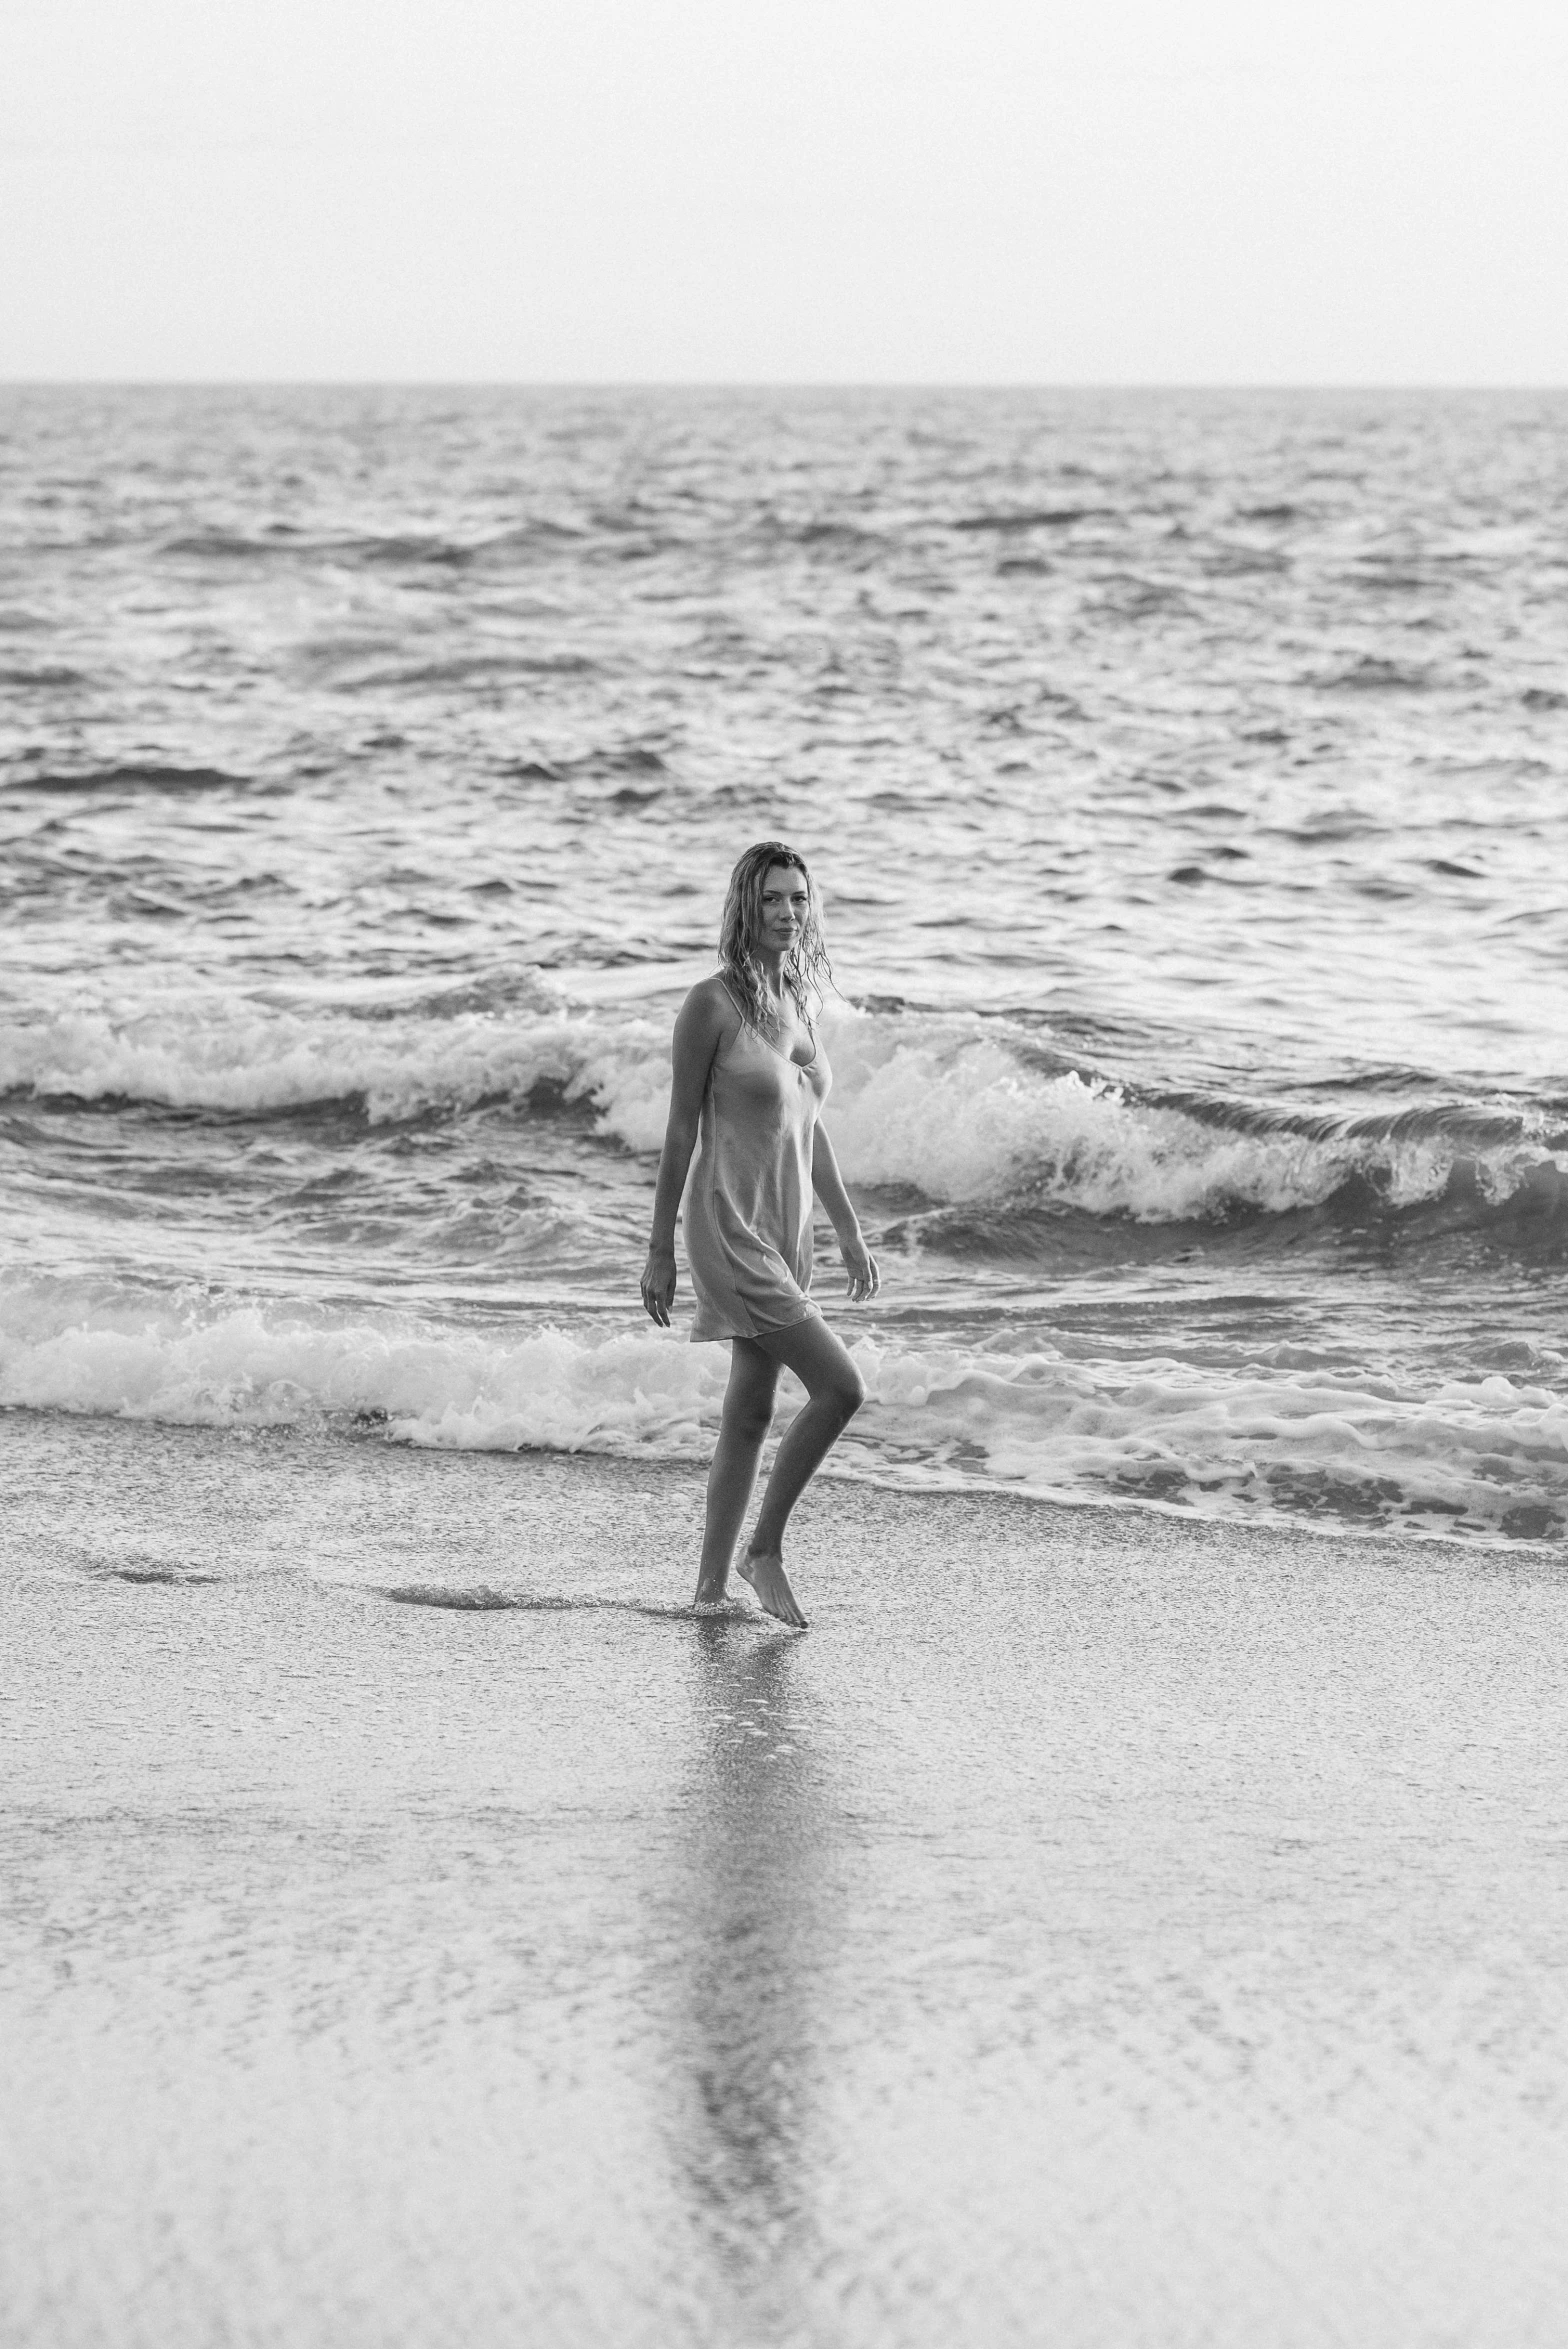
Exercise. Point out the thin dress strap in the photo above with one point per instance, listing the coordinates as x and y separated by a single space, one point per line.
734 1006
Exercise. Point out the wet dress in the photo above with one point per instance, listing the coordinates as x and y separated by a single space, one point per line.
747 1217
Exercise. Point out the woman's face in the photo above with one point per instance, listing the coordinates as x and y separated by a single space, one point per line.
786 901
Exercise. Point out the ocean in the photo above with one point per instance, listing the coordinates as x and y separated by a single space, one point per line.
1184 777
1128 1914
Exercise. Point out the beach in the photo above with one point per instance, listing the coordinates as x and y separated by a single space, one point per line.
1100 1927
1132 1916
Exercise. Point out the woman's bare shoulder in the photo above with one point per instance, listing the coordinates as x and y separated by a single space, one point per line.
712 990
709 1010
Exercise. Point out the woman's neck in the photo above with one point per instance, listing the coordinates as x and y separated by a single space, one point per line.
772 968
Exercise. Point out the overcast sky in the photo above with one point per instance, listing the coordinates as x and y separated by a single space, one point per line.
1053 191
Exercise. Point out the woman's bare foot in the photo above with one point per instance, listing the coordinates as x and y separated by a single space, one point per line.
764 1570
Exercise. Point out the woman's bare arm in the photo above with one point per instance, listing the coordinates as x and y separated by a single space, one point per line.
699 1030
864 1277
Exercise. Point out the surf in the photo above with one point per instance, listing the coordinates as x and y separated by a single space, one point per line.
952 1111
1267 1431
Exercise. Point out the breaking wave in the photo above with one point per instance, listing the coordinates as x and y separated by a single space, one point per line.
1275 1435
954 1111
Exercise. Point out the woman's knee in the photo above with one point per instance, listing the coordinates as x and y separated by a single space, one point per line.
848 1392
749 1414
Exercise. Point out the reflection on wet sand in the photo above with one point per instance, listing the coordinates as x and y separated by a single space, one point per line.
756 1830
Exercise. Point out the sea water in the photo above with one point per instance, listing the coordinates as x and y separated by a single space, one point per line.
1184 778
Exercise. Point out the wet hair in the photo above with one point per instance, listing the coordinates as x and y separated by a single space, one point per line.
807 972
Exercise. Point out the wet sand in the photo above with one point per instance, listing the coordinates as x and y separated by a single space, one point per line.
1099 1929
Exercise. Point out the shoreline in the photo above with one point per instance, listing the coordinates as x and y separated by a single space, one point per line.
1101 1925
323 1434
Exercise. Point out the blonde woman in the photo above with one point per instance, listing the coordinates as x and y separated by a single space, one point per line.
750 1080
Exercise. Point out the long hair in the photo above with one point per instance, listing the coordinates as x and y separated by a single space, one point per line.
807 972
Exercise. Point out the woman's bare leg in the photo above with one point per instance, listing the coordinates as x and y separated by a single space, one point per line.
835 1391
748 1414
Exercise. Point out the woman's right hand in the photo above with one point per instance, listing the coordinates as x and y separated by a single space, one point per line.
658 1285
865 1274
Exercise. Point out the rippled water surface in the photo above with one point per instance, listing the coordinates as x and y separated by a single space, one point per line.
1185 777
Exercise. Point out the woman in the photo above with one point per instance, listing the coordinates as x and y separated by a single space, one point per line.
751 1077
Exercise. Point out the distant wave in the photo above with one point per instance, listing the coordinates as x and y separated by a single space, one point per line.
1370 675
128 776
1278 1437
1030 518
285 543
41 678
956 1110
636 758
412 548
471 669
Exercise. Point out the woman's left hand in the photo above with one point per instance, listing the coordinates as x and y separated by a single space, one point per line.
861 1266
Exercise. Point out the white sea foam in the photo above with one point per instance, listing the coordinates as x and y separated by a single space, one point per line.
945 1104
185 1361
1485 1455
963 1117
219 1054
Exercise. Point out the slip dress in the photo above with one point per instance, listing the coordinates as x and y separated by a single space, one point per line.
747 1217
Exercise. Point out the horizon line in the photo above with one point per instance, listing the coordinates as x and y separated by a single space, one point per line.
748 383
